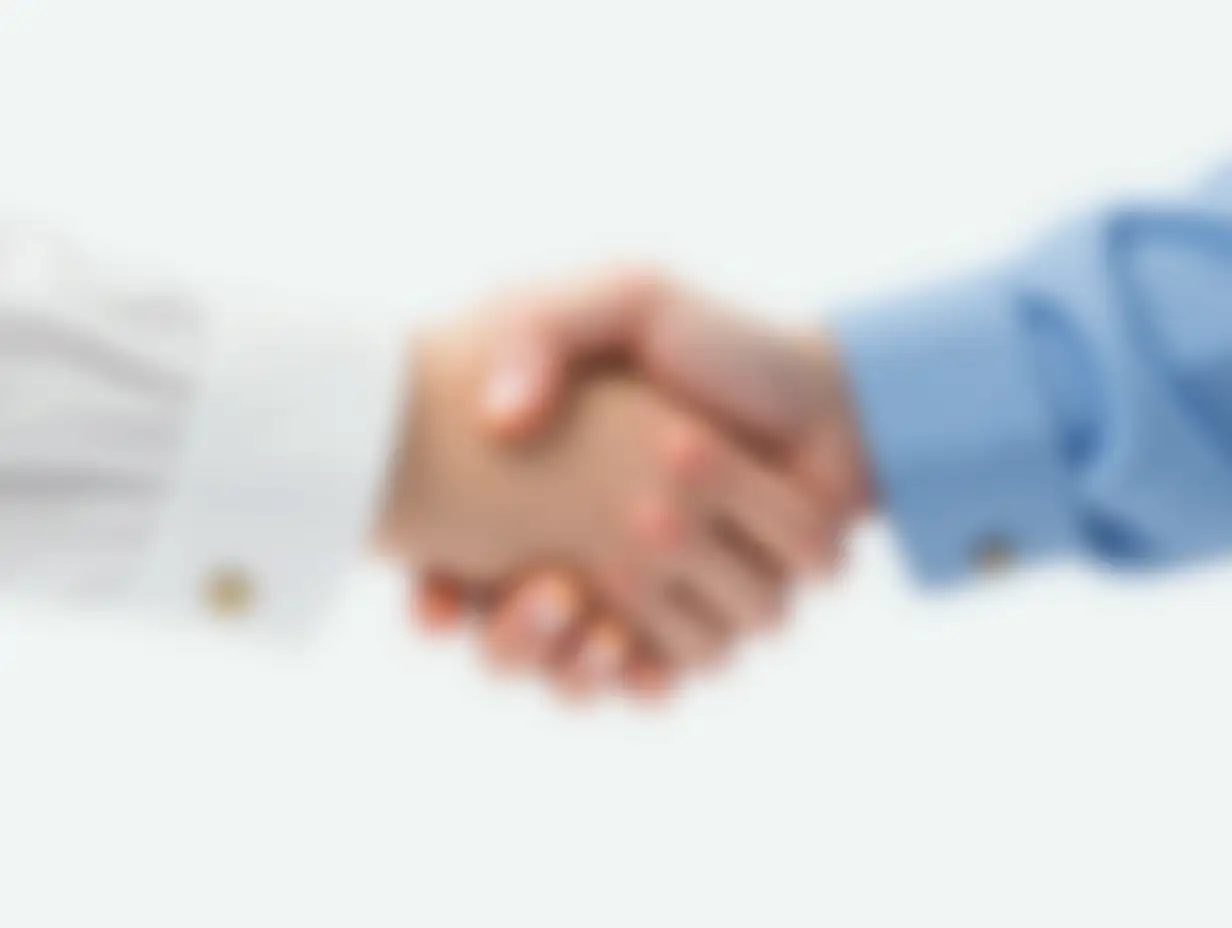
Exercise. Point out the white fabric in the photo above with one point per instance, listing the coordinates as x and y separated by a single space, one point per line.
151 442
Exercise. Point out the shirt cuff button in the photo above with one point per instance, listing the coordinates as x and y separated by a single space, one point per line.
994 555
230 593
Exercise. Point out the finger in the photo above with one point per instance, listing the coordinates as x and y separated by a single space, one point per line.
438 603
649 676
525 380
641 583
529 624
830 464
774 518
664 615
738 591
726 482
671 542
547 334
595 660
737 583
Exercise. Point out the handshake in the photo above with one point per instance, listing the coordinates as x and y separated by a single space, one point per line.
620 476
617 474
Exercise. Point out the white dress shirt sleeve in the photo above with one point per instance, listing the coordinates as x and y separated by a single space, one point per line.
195 454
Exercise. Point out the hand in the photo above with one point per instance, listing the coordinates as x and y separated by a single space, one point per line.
681 537
782 391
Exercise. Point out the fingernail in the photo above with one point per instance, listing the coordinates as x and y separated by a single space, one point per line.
601 658
548 612
510 391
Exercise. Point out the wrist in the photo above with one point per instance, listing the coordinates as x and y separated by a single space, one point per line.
392 533
832 447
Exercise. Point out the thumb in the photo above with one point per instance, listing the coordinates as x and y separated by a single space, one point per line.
530 367
525 380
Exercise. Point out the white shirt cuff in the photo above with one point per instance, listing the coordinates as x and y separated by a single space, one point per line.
284 465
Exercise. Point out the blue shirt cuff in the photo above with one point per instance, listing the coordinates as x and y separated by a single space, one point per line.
1216 191
964 449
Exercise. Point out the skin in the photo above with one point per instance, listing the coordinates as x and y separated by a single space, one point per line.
781 393
673 538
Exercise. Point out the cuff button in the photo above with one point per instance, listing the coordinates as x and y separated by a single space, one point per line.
994 555
230 593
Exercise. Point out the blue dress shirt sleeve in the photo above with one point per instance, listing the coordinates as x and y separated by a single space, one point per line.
1079 400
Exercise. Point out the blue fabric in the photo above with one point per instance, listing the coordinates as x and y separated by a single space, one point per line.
1078 400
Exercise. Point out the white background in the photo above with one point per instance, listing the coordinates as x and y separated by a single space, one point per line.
1051 750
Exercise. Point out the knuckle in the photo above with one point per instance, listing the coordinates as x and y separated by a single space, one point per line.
657 522
689 452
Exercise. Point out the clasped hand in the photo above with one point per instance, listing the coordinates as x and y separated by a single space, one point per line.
619 478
